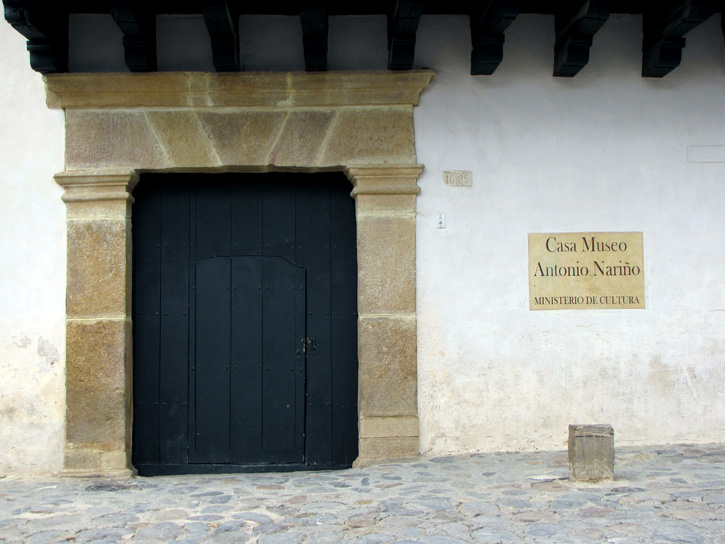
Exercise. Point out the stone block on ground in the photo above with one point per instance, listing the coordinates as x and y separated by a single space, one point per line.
591 453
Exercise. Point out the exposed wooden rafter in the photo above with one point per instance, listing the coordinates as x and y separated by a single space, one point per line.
489 21
313 16
45 26
222 22
576 24
138 25
664 30
402 27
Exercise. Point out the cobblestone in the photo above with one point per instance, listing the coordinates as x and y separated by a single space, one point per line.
660 494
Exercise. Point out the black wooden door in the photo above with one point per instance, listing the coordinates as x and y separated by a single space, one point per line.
245 324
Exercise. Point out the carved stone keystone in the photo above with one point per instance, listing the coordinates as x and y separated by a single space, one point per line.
591 452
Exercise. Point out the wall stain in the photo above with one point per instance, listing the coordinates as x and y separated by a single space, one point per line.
48 352
660 378
20 342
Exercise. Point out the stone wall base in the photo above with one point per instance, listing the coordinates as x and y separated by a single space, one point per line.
97 461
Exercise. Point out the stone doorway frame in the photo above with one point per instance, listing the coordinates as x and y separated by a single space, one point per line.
121 125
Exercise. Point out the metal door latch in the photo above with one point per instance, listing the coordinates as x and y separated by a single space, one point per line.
308 344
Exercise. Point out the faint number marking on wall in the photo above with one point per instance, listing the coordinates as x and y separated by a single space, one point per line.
458 178
706 153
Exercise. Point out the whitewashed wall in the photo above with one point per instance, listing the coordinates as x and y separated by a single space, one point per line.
32 269
605 151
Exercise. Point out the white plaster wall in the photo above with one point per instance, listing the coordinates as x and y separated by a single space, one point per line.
32 270
605 151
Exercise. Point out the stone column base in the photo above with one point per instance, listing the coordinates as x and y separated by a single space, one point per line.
94 461
387 437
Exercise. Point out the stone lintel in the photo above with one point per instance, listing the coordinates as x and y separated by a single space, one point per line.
156 139
234 90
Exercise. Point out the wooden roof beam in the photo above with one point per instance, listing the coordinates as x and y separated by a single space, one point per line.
46 29
222 22
138 25
664 30
488 24
576 25
313 17
402 28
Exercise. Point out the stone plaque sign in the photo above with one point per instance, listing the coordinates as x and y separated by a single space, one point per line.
588 270
458 178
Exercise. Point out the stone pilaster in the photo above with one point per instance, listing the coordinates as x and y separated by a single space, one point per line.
387 395
98 324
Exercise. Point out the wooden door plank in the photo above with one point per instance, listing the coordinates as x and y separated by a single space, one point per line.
246 221
213 339
279 361
343 308
193 196
300 353
174 326
146 307
213 218
246 357
313 253
278 222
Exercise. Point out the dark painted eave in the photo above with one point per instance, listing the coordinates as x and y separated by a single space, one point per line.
665 23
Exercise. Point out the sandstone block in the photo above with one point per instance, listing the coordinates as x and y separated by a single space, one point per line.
379 427
111 140
244 89
388 375
591 452
242 138
385 204
385 189
302 138
386 263
97 460
183 139
355 88
98 381
375 135
99 257
91 196
388 448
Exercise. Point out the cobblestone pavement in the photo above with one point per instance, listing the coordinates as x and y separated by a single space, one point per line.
667 494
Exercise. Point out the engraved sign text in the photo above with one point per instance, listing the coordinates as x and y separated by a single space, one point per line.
578 271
